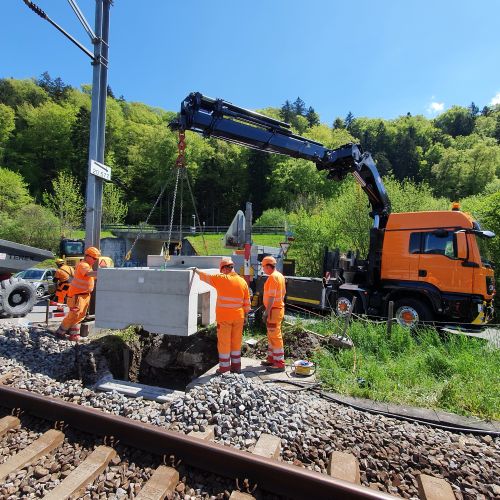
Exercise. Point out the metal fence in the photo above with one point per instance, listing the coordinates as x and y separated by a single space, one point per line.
188 229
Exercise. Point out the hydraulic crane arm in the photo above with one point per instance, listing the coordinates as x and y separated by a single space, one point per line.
221 119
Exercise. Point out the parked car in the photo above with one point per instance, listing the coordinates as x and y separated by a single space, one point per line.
40 279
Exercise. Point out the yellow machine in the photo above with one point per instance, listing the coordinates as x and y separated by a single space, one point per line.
72 253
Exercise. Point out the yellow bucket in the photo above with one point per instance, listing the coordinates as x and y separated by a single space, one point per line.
303 367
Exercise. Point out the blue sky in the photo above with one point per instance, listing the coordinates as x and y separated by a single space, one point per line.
379 58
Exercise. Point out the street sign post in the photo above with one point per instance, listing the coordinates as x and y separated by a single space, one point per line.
100 170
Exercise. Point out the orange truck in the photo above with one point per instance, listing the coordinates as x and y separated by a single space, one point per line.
429 265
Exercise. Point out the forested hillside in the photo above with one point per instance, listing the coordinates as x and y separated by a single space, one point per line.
44 130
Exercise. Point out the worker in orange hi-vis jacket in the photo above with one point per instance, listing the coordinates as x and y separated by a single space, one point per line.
62 278
79 292
233 304
274 303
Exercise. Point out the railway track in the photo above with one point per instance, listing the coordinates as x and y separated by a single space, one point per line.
82 452
314 435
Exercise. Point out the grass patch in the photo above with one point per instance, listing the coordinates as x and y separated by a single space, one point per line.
424 368
215 244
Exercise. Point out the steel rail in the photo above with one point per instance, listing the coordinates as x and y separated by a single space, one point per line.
270 475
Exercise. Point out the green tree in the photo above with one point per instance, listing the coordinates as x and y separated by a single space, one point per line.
456 121
114 210
312 117
66 202
32 225
299 106
13 93
7 125
286 112
13 192
338 123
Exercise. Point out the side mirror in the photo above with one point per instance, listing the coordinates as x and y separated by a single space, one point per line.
461 245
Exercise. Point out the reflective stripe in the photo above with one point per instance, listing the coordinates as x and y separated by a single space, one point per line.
224 364
230 299
235 353
229 306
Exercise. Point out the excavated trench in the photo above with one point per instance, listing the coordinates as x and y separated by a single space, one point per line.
173 362
160 360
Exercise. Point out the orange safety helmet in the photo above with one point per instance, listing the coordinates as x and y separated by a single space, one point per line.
59 262
93 252
269 260
225 261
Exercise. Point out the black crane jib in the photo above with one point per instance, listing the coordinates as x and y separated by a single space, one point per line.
221 119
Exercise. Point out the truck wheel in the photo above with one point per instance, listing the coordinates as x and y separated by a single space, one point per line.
17 297
411 312
344 302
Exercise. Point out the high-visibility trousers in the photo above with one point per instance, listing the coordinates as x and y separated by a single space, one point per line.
229 335
61 292
276 353
78 306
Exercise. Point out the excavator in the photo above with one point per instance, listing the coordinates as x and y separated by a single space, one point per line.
428 265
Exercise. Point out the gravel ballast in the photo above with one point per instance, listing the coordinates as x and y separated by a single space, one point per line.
391 453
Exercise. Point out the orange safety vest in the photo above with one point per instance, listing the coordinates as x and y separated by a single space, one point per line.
274 288
233 297
81 283
64 273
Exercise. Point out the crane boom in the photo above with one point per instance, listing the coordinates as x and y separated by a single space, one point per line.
224 120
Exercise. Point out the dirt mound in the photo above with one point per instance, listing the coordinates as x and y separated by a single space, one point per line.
298 343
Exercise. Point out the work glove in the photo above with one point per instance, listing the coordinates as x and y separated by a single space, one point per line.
264 316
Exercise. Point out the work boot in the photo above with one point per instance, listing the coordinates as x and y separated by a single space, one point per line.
221 371
236 368
275 368
268 362
60 333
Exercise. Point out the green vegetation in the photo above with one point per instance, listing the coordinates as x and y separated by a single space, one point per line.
215 245
451 372
426 164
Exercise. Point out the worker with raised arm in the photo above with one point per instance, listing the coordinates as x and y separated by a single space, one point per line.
63 276
233 304
79 292
274 304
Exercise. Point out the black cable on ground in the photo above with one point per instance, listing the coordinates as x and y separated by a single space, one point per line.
328 397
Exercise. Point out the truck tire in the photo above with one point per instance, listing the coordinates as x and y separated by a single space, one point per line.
411 313
17 297
344 302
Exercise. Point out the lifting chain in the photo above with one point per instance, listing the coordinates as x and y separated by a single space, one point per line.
180 162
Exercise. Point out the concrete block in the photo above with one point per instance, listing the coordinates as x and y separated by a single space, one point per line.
344 466
164 301
268 446
434 488
184 261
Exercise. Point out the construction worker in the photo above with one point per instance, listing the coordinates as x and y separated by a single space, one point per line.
79 292
274 304
233 304
62 278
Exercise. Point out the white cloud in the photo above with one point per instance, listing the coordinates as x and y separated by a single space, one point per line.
495 100
435 107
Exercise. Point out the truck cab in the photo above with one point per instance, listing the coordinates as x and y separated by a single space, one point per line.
432 267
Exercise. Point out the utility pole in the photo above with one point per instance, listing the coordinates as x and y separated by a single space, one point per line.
99 39
93 214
